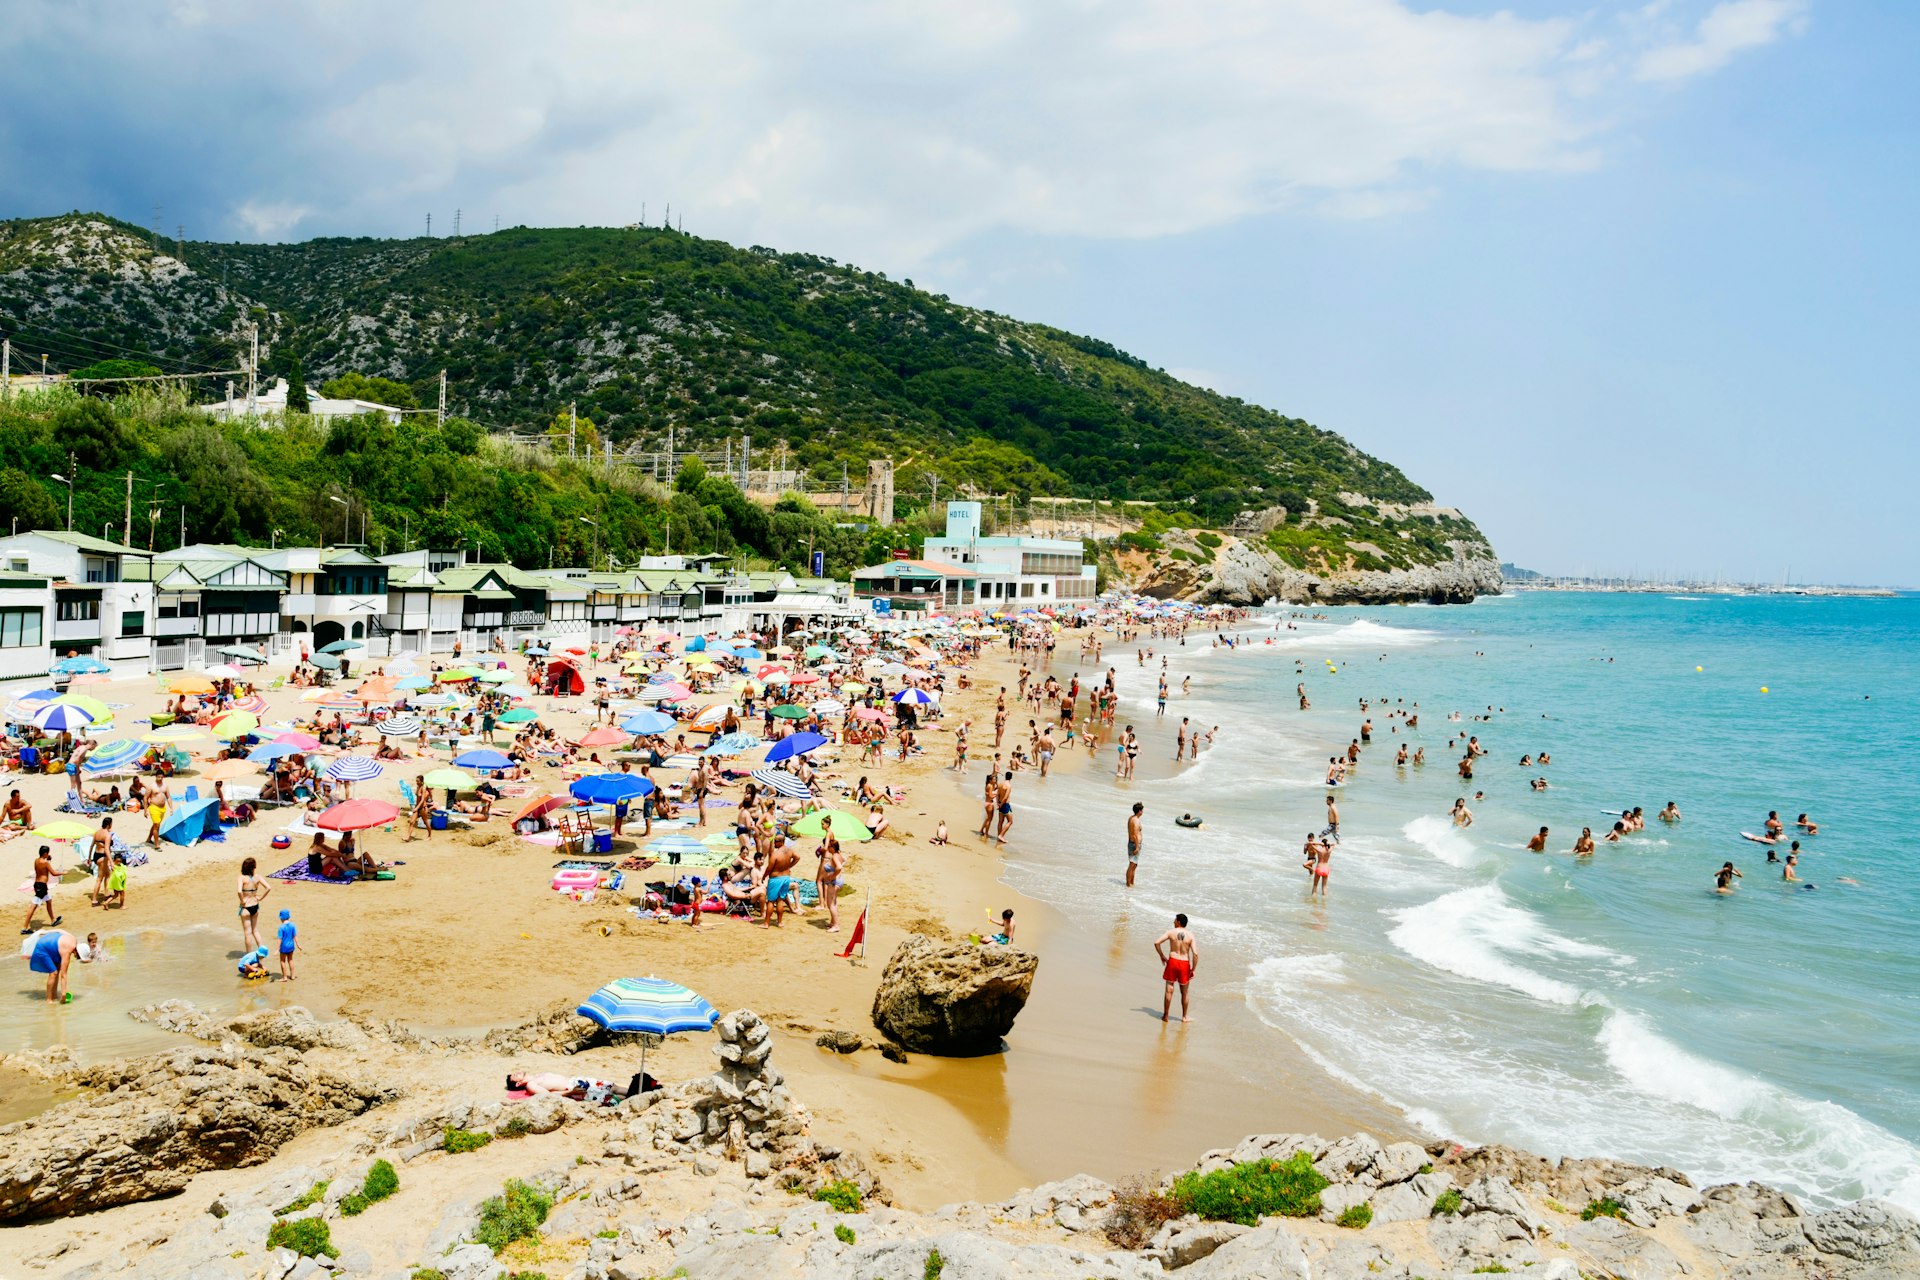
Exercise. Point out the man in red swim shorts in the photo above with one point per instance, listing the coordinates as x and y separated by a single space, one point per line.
1180 956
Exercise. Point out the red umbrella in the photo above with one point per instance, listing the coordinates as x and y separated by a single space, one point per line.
603 738
581 652
358 815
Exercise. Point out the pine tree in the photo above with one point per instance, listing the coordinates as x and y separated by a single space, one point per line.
297 401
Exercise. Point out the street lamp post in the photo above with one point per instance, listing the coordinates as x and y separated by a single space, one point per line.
596 540
69 483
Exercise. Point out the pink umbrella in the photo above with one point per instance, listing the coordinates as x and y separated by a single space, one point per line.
303 741
603 737
358 815
870 713
672 691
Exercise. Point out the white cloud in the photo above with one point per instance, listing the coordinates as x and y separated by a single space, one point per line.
1727 30
889 132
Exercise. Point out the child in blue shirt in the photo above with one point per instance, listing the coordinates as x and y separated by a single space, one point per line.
287 944
253 964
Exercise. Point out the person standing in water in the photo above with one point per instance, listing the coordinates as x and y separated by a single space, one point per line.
1723 878
1136 840
1179 956
1539 843
42 890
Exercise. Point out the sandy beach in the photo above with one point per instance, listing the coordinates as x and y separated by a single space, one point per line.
470 936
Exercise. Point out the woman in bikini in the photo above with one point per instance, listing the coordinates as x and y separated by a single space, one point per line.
827 879
252 891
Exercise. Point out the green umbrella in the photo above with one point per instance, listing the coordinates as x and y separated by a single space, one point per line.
845 825
456 780
496 675
792 712
518 715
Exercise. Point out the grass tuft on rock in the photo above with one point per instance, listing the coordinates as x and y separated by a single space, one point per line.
1356 1217
1448 1203
844 1233
308 1237
840 1195
460 1141
1606 1207
515 1214
1255 1189
311 1196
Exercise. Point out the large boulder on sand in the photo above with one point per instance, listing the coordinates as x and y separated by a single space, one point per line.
955 999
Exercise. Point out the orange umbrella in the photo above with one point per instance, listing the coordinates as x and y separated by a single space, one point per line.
230 769
537 806
378 689
603 737
190 684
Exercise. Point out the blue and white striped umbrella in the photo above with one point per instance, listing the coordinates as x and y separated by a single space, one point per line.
354 769
118 756
648 722
61 716
731 744
782 783
651 1006
915 697
400 726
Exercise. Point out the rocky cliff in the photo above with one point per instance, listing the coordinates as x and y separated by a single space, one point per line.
1249 572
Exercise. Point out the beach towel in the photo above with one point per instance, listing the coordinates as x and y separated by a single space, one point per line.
298 872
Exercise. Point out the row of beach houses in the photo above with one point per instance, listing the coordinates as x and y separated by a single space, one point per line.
64 593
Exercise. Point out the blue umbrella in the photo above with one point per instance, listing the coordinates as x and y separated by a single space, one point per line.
609 788
796 745
648 722
481 758
325 661
79 666
341 646
651 1006
782 783
537 652
413 682
60 717
731 744
268 752
747 653
914 697
354 769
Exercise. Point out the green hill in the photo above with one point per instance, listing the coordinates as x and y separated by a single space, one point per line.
650 330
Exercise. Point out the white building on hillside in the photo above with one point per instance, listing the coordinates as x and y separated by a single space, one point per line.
1015 572
272 403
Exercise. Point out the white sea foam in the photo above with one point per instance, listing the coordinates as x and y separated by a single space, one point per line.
1472 933
1440 838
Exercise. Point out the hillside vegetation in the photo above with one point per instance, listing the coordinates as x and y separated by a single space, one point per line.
647 330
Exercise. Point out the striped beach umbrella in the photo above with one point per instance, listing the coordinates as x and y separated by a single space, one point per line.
915 697
731 744
354 769
400 726
118 756
782 783
253 704
649 1006
60 718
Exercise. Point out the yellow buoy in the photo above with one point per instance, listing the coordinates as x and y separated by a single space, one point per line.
1763 688
1699 668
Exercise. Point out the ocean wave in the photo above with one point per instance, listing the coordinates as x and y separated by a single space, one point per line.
1472 932
1440 838
1820 1147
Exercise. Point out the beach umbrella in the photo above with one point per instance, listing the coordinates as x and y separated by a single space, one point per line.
253 704
539 806
874 714
609 788
854 687
355 769
377 689
58 717
223 671
790 712
828 707
174 733
187 682
342 646
495 675
298 741
845 825
449 780
670 691
518 715
118 756
648 1006
400 726
782 783
62 829
325 661
482 758
404 667
357 815
80 665
515 690
411 683
457 675
268 752
915 697
241 653
731 744
602 737
646 723
235 724
536 652
796 745
221 769
710 717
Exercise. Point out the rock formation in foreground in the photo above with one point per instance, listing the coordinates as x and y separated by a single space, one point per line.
955 999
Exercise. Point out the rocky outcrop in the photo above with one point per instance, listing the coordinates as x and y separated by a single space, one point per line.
147 1126
289 1028
1244 573
955 999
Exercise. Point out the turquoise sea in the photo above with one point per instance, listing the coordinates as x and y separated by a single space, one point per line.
1611 1006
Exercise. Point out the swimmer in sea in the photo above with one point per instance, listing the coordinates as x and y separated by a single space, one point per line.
1790 870
1461 815
1723 879
1614 836
1538 784
1400 760
1670 814
1584 845
1811 828
1539 843
1774 826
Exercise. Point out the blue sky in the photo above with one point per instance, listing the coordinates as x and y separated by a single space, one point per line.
1632 284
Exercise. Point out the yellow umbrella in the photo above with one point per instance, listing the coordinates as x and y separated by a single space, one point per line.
235 724
190 684
854 686
99 710
62 829
174 733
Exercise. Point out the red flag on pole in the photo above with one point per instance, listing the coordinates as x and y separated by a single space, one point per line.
859 934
